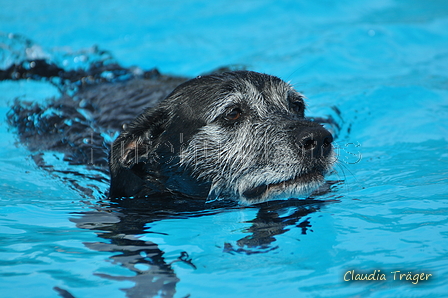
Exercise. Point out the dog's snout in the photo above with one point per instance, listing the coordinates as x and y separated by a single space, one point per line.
315 140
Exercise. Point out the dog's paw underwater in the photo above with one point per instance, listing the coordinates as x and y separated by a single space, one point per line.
237 135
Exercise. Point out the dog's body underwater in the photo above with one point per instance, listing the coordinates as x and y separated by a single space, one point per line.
238 135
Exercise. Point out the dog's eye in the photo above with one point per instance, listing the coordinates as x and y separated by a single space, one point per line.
233 115
297 107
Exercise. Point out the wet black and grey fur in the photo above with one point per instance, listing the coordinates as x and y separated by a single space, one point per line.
238 135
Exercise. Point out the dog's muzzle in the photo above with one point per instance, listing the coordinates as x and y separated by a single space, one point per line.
313 141
313 147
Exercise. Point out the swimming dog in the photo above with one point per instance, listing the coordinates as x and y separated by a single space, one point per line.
238 135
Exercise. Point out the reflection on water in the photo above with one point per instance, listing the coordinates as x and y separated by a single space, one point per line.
122 226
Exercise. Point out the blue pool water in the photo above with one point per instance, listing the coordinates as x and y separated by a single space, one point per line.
383 64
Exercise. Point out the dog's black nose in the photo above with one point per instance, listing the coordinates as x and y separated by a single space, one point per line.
314 140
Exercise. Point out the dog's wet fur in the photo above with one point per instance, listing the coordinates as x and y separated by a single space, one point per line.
236 135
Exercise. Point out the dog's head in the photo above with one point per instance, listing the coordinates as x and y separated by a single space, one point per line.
240 135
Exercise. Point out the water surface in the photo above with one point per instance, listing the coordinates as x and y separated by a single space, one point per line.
383 64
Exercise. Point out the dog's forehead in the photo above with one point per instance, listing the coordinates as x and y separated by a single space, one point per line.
209 97
262 95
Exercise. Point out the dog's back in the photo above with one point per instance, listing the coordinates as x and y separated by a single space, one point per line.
82 126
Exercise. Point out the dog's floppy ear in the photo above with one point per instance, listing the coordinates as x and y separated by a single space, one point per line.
137 142
131 151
